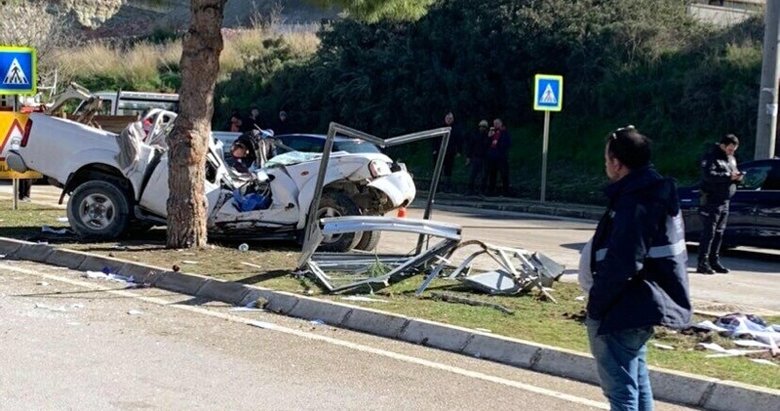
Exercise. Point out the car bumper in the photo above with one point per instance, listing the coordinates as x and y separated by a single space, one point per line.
398 186
16 162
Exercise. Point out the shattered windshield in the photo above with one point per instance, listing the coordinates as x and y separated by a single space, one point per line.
293 157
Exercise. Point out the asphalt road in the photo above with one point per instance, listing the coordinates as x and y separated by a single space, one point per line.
752 286
70 342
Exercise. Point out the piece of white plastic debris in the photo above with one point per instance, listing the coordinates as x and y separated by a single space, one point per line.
317 322
251 265
709 325
135 312
189 262
763 361
47 229
62 219
752 343
2 255
98 275
579 298
43 283
363 299
663 346
50 308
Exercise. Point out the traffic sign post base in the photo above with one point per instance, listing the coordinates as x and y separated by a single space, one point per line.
15 194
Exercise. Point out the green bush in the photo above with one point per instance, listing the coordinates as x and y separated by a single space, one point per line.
624 62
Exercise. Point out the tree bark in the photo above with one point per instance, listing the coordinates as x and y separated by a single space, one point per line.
188 141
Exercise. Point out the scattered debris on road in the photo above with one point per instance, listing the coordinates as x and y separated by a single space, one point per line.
135 312
518 270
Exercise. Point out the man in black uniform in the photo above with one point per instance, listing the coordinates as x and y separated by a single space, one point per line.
719 177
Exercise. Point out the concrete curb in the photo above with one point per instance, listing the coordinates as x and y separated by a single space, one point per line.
682 388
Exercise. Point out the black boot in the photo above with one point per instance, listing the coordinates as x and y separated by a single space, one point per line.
704 268
718 267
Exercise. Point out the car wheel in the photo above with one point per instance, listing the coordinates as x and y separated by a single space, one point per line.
338 204
98 210
369 240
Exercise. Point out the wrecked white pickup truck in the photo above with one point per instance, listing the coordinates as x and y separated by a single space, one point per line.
117 182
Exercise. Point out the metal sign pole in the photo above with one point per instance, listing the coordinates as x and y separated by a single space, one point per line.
15 190
545 142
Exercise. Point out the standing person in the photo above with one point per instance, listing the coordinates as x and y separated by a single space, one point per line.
497 156
637 265
476 149
719 177
453 149
253 120
282 125
236 122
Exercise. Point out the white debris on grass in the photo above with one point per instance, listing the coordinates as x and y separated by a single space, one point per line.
752 343
363 299
62 219
763 361
580 298
251 265
663 346
189 262
709 325
723 352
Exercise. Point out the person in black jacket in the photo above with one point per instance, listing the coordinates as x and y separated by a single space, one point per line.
719 178
453 149
476 149
497 157
637 268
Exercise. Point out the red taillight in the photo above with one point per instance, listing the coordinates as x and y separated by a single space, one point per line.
26 135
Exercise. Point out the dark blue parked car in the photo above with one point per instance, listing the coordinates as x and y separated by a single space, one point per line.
754 219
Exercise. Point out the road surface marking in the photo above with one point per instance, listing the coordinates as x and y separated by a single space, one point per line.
325 339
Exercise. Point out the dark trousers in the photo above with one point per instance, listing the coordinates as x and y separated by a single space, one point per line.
446 170
494 167
477 173
24 188
713 224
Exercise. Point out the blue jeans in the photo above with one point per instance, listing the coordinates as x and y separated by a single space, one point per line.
622 366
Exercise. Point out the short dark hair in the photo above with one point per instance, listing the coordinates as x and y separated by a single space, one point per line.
729 139
630 147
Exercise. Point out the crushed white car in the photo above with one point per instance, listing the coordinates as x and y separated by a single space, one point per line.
119 182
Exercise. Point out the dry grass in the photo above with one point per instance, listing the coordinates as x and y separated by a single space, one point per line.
138 64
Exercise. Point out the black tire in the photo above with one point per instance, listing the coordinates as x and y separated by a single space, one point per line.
338 204
369 240
99 210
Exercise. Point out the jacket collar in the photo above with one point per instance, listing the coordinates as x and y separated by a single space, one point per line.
635 180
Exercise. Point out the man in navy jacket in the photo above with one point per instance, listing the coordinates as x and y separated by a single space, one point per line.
638 265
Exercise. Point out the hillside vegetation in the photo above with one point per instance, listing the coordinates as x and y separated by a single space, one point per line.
624 62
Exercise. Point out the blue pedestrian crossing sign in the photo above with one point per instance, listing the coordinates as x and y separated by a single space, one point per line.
548 92
18 70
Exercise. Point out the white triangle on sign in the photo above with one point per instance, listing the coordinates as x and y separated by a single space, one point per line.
15 74
548 97
12 141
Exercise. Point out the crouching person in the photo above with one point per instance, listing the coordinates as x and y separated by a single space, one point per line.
635 270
